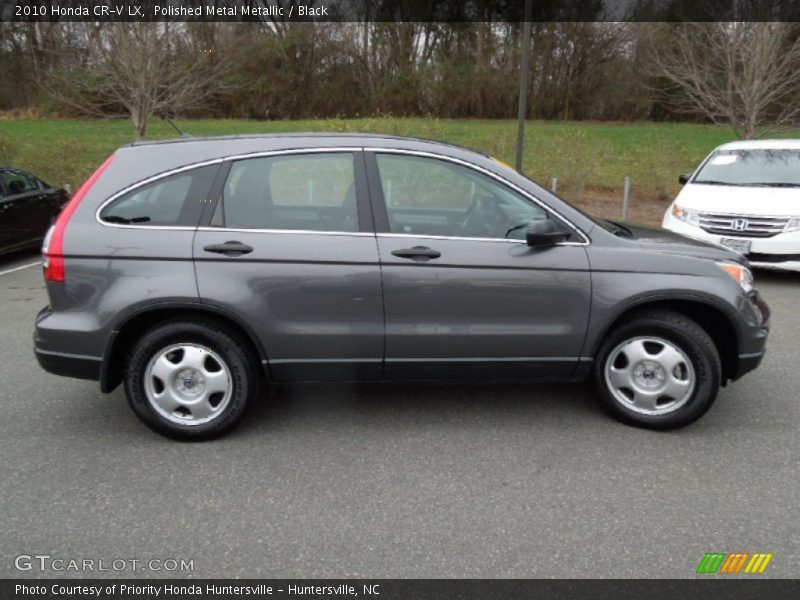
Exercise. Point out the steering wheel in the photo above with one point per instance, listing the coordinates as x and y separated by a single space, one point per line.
475 219
472 211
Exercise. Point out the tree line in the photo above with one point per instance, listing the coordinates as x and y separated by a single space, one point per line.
744 74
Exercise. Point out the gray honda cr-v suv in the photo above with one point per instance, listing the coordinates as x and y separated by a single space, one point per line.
196 271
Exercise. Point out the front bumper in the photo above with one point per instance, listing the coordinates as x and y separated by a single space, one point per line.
747 363
780 252
753 347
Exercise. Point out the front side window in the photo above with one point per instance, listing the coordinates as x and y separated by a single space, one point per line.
314 192
19 182
428 196
175 200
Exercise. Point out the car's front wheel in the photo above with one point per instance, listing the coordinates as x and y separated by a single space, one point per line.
659 370
190 380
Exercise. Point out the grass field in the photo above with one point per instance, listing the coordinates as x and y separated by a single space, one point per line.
590 159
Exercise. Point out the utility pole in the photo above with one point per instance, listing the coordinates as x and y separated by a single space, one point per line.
524 79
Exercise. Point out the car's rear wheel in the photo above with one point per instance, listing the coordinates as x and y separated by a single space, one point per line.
190 380
659 370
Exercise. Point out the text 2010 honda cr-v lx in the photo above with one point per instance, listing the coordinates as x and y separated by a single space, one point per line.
196 271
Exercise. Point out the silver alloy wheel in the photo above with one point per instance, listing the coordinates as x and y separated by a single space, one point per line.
188 384
650 375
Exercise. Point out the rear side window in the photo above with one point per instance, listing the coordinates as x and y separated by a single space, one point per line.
175 200
292 192
19 182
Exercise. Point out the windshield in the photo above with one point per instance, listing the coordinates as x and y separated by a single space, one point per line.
778 168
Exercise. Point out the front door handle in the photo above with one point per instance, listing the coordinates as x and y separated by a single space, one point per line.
231 248
418 253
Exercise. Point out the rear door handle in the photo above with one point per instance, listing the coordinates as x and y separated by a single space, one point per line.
418 253
231 248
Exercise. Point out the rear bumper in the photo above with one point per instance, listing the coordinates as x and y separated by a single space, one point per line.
69 365
49 346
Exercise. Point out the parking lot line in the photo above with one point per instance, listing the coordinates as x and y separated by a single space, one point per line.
33 264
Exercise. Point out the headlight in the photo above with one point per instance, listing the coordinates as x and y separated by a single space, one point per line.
685 214
793 224
742 275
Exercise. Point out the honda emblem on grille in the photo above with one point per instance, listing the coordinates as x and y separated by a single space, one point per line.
739 224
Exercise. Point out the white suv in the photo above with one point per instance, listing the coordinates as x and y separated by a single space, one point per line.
745 196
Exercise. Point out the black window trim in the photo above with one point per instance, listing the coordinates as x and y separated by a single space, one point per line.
369 195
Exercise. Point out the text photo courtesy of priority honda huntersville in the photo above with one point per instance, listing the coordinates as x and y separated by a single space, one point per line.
197 272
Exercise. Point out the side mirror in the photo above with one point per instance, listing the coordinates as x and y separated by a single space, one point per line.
545 232
683 178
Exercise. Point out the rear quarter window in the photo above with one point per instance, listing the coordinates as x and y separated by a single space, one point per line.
174 200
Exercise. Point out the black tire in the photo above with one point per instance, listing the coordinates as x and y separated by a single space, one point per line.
688 337
213 336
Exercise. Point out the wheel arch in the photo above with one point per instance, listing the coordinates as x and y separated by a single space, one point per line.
134 324
718 323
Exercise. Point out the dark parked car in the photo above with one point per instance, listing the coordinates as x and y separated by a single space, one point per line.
27 208
196 271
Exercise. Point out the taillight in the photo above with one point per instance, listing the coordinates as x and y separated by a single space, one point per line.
53 247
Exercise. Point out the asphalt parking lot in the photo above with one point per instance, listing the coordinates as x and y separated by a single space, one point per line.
399 481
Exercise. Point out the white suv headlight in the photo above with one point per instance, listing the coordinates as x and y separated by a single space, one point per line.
742 275
686 215
792 225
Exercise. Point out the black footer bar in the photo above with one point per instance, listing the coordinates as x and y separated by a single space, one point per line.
395 589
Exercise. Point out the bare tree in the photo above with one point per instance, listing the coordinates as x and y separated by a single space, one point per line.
743 74
146 69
